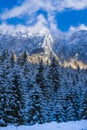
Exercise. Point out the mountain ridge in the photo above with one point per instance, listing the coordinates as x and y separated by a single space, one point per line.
66 47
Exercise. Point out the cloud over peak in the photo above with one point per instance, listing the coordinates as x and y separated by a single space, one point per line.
80 27
29 9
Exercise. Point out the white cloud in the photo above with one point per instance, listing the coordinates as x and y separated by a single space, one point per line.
27 7
75 4
6 27
30 7
52 22
40 25
80 27
15 12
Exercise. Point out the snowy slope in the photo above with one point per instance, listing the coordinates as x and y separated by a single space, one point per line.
69 45
78 125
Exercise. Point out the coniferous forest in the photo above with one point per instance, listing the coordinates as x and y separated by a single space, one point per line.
39 93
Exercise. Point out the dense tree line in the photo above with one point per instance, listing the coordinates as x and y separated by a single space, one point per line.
38 93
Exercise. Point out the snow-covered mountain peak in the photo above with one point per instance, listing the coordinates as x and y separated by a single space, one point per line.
25 34
43 32
47 43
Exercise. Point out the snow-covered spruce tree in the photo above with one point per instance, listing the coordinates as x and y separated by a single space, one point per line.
53 74
26 69
83 97
36 105
5 70
3 95
58 111
43 82
52 84
18 90
22 58
3 55
29 72
68 95
40 75
83 110
8 89
70 111
78 92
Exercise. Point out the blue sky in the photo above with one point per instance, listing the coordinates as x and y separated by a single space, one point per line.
39 14
71 18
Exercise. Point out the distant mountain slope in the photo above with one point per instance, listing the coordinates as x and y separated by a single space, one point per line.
65 47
